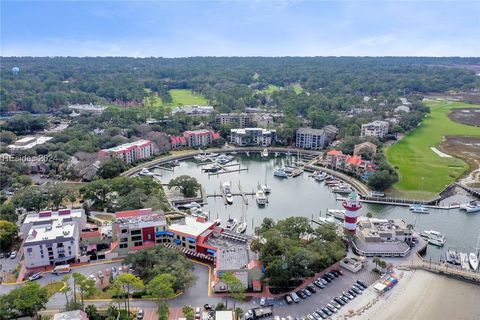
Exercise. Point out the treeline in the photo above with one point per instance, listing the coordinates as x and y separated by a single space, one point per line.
45 84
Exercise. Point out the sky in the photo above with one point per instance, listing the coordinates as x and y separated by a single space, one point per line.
240 28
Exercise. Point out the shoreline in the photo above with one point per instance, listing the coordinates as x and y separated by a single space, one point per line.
418 295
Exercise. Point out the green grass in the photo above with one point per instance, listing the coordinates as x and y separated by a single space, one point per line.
53 287
414 160
297 88
186 97
271 89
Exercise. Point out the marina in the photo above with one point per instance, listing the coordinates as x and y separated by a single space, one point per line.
288 197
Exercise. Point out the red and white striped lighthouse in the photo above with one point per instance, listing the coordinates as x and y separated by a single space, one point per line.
351 205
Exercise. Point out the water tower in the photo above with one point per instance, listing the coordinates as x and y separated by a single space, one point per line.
15 71
351 205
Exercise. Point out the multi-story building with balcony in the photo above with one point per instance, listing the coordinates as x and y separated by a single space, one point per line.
129 152
253 137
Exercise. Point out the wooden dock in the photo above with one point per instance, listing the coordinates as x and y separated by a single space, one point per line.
402 203
443 268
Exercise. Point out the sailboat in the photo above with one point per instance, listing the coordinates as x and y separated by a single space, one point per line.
265 187
242 226
264 153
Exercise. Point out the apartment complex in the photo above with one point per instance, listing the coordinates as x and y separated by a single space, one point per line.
129 152
375 129
51 244
238 120
335 159
315 139
87 108
29 142
253 137
194 139
137 229
47 217
194 111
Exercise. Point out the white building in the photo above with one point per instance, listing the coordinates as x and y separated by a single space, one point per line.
264 121
308 138
239 120
28 142
87 108
47 217
253 137
402 109
375 129
198 111
130 152
51 244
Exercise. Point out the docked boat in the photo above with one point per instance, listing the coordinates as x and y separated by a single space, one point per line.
333 182
242 227
212 168
472 206
338 214
473 259
233 152
418 208
276 154
198 212
434 237
319 175
227 191
145 173
224 159
174 163
342 189
231 224
377 194
266 188
217 221
247 153
261 198
453 257
212 155
200 158
288 153
327 221
264 153
280 172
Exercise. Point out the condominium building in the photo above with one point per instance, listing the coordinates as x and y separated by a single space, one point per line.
76 216
308 138
87 108
253 137
194 139
51 244
194 111
129 152
138 229
238 120
376 129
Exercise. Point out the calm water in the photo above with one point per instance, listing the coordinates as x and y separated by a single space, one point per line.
303 196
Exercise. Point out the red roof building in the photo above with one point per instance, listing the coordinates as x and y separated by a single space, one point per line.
197 138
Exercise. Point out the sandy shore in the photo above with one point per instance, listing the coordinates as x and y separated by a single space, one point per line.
419 295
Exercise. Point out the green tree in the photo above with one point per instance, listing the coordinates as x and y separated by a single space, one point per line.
86 286
30 198
111 168
56 194
66 288
163 311
381 180
8 234
235 288
161 286
129 284
7 212
28 299
238 313
187 185
188 312
92 312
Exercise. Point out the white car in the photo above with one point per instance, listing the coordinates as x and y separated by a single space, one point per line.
13 255
263 301
92 276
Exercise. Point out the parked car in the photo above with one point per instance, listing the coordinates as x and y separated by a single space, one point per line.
319 284
140 314
92 276
301 294
352 292
322 281
327 278
288 298
335 304
307 293
295 297
316 316
100 275
198 313
322 314
13 255
356 290
263 301
348 295
332 308
363 284
35 276
327 311
208 307
339 301
311 288
310 317
340 272
359 287
344 299
335 273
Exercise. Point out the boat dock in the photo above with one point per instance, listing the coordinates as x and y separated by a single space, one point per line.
402 202
464 260
243 195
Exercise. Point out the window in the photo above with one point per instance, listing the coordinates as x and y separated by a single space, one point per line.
135 232
41 256
60 245
191 247
183 238
123 239
124 230
136 238
29 249
123 245
138 243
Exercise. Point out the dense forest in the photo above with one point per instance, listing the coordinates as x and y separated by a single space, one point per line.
45 84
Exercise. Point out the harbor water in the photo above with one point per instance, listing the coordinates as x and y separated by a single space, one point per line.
303 196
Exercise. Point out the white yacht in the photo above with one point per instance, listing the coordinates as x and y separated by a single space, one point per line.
231 224
227 191
327 220
280 172
418 208
264 153
145 172
224 159
242 227
473 259
434 237
319 175
266 188
261 198
288 153
472 206
343 188
200 158
336 213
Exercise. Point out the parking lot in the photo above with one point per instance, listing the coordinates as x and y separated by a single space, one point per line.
322 296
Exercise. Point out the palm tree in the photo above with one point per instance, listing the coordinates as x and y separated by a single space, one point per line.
66 289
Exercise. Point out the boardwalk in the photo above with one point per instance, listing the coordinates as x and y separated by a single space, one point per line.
444 269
